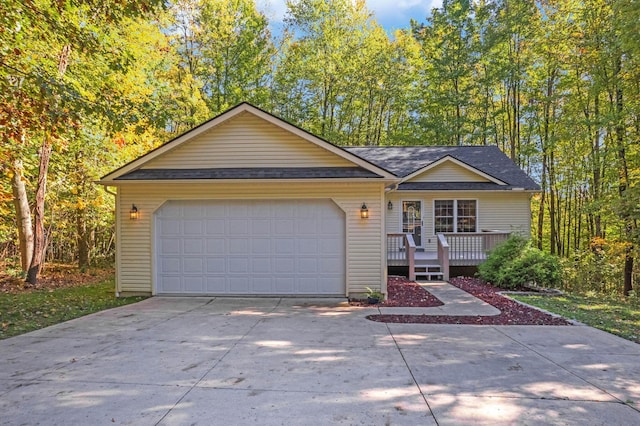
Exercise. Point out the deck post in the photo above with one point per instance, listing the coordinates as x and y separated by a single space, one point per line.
443 256
410 247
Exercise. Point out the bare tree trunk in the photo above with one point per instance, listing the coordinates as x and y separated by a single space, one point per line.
543 193
39 237
83 239
23 216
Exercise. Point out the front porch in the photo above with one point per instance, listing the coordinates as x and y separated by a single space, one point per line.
453 249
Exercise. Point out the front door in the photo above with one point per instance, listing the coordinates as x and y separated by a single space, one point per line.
412 220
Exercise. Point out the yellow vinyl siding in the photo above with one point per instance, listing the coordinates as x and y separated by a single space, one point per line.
501 211
448 172
364 237
247 141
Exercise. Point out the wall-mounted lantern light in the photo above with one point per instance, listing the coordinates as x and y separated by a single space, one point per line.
133 213
389 205
364 211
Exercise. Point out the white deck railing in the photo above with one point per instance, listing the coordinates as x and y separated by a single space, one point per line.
471 248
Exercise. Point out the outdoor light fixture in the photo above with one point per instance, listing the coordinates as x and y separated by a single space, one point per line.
364 211
389 205
133 213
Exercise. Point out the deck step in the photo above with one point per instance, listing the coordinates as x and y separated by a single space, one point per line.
430 276
429 271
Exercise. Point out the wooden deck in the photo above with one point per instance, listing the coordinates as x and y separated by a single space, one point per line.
464 249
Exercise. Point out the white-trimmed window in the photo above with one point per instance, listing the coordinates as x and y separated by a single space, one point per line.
455 215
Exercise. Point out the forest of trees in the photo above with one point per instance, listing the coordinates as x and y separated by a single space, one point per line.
87 85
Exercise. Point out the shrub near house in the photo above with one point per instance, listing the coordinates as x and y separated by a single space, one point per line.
516 263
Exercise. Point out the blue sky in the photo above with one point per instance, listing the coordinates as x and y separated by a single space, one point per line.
390 14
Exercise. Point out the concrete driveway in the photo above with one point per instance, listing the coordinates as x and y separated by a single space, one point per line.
228 361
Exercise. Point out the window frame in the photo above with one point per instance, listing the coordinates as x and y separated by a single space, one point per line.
455 215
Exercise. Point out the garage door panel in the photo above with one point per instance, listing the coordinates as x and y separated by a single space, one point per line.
331 229
193 227
276 247
238 226
171 246
240 285
284 265
307 265
193 210
193 284
260 227
238 265
193 265
171 284
193 246
307 227
171 227
216 245
215 210
284 285
216 265
261 265
261 285
170 265
261 246
284 227
284 246
327 245
238 246
216 226
307 245
330 264
216 284
308 285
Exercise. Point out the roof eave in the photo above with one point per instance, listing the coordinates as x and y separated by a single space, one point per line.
219 181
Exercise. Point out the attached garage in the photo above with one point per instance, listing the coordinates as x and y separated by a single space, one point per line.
248 204
250 247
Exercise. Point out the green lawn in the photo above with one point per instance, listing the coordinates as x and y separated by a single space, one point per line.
24 312
617 315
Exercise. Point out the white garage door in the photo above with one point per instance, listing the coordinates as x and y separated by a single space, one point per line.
281 247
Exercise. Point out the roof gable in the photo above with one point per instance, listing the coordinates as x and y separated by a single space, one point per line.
449 169
246 141
246 137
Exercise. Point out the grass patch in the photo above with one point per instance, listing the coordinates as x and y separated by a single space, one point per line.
28 311
617 315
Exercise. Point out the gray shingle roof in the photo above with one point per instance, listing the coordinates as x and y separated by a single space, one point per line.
404 160
251 173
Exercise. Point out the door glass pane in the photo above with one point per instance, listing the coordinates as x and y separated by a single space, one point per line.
412 220
443 215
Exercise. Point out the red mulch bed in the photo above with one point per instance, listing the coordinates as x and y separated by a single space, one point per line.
511 312
405 293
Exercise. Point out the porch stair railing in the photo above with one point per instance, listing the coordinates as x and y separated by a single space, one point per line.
401 251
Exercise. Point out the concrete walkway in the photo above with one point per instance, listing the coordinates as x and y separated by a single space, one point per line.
175 361
456 302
